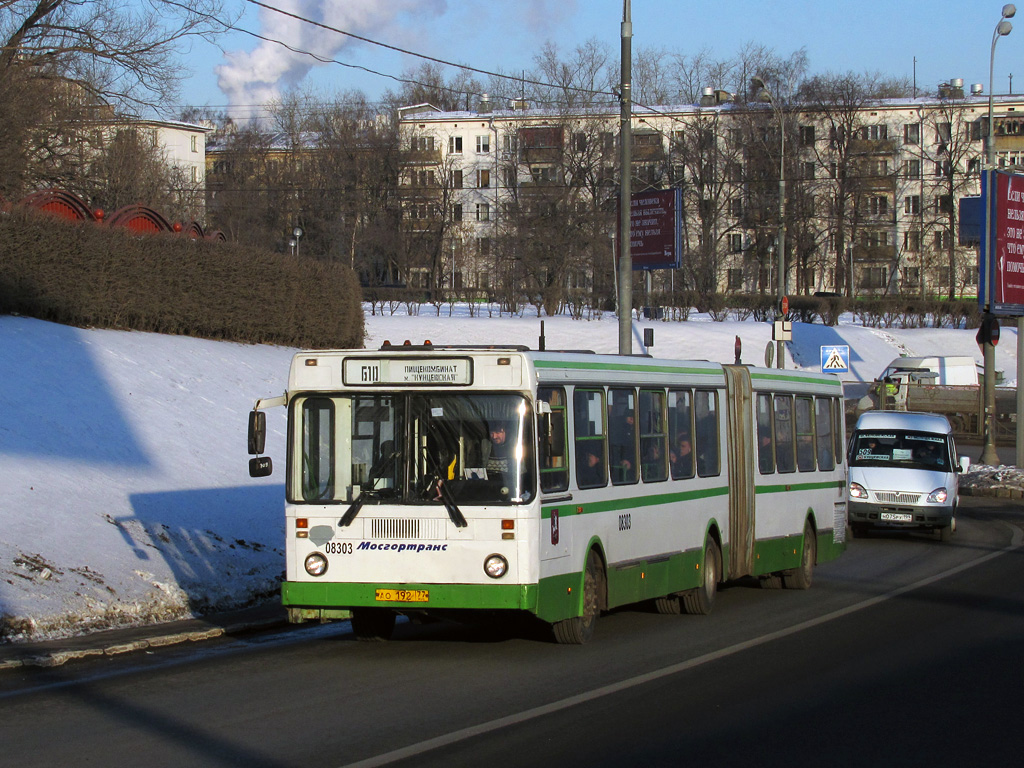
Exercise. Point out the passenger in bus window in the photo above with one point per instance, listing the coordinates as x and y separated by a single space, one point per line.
681 457
590 465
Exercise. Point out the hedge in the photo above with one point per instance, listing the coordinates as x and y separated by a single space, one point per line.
87 275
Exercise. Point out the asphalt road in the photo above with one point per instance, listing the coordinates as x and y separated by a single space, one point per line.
905 651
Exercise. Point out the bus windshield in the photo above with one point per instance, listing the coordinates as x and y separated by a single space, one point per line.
415 448
900 448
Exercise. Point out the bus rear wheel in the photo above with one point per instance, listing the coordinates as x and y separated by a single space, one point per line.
580 629
701 600
373 624
801 577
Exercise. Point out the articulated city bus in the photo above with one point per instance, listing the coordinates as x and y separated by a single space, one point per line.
447 479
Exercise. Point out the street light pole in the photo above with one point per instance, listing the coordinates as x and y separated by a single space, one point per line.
988 453
765 95
625 282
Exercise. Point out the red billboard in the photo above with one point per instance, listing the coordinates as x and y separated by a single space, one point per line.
655 229
1009 239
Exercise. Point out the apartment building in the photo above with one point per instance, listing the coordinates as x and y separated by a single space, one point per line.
871 203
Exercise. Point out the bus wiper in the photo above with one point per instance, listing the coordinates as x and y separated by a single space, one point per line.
453 509
354 507
385 465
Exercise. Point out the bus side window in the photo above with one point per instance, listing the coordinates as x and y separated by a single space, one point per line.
680 424
785 455
838 425
551 442
706 412
823 433
804 435
589 434
765 438
653 436
622 435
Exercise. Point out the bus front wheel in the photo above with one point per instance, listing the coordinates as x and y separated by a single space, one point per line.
580 629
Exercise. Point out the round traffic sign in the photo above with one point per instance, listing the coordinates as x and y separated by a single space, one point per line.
784 305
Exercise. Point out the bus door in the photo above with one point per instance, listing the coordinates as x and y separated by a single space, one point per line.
741 470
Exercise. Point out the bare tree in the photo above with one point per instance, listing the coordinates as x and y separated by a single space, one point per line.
124 55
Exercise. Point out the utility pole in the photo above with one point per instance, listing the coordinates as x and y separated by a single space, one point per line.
625 189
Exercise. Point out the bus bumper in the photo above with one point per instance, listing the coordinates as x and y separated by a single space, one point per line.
321 601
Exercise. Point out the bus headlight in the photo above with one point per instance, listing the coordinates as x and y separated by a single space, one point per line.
495 566
857 491
938 496
316 564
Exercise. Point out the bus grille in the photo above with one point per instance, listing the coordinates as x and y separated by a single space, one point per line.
405 528
898 497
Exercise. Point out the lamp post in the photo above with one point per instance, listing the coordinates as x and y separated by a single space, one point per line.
764 95
298 233
988 454
625 281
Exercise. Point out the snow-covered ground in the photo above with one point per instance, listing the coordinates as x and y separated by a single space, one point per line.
126 497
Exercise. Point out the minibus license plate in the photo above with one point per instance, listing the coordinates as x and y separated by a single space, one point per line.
897 517
402 595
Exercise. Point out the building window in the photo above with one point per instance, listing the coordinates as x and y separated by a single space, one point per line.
806 135
943 203
483 178
912 133
483 144
736 207
483 212
734 278
736 242
942 240
912 240
455 145
808 170
422 144
195 174
878 205
456 179
912 169
912 204
195 143
483 247
943 132
457 212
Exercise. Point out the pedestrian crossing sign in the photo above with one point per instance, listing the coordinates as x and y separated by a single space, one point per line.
835 359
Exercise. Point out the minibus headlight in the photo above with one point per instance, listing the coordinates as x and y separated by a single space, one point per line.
495 566
857 491
938 496
316 564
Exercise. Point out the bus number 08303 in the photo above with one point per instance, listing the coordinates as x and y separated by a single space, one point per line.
338 548
625 522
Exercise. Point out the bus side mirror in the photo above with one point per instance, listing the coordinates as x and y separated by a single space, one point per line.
261 466
257 433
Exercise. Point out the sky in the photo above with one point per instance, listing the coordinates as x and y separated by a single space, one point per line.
126 495
949 38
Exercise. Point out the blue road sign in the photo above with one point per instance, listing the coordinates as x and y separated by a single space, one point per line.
835 359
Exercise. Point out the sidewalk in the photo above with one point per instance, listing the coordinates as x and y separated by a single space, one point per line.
53 653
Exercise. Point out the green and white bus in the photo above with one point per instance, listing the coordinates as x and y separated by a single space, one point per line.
445 479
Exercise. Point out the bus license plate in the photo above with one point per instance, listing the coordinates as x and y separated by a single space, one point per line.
897 517
402 595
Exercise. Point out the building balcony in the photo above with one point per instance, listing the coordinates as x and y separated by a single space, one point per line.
423 157
872 146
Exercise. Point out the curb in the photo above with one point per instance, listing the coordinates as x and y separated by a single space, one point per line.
38 655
